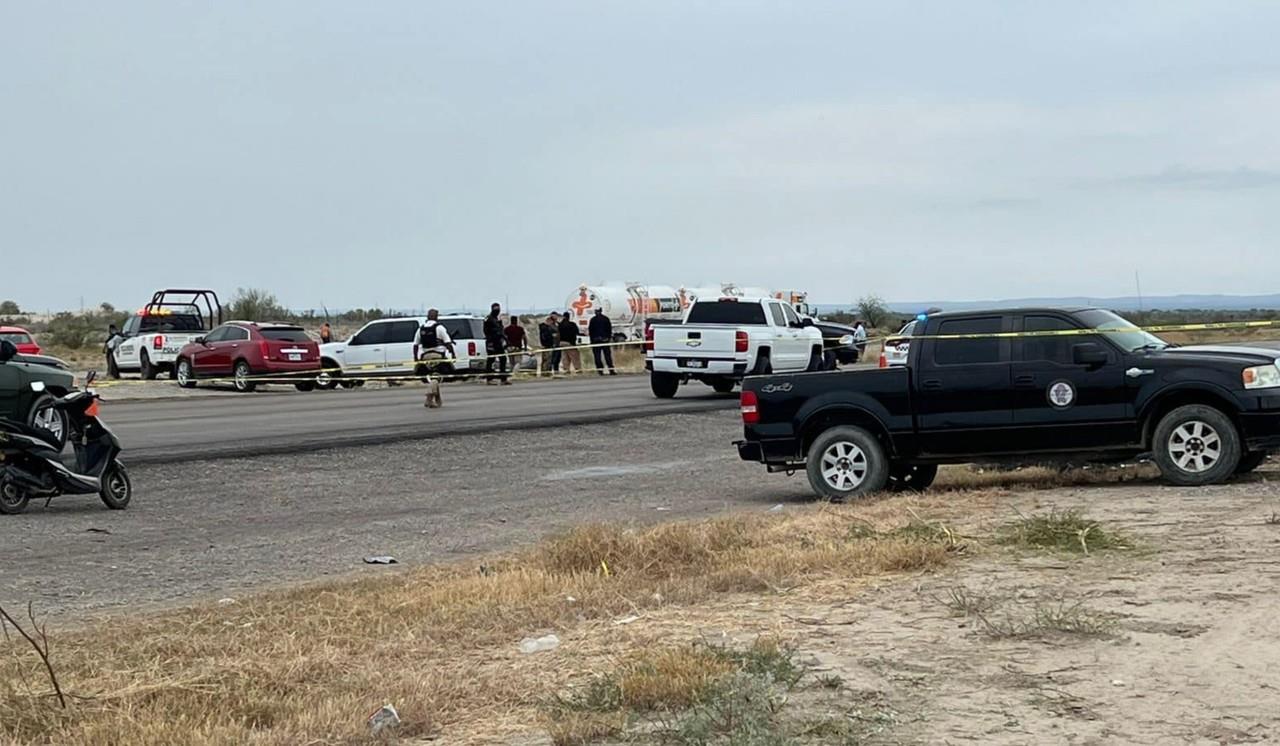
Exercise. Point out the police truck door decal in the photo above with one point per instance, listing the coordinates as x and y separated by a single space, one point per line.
1062 394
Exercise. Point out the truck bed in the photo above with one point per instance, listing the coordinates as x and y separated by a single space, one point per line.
790 404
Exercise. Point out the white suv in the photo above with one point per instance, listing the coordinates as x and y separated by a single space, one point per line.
389 347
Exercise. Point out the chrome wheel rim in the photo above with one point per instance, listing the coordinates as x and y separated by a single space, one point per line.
844 466
1195 446
184 373
242 376
47 419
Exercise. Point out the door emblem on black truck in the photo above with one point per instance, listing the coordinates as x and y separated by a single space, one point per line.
1062 394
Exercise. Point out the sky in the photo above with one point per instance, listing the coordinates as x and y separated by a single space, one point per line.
416 153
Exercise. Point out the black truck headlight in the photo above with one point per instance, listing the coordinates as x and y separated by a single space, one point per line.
1262 377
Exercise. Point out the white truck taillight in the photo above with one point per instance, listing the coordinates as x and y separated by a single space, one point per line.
157 342
750 408
648 339
740 341
471 349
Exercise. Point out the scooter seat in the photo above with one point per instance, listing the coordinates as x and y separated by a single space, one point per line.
22 428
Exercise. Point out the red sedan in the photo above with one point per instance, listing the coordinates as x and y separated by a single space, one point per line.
241 350
21 338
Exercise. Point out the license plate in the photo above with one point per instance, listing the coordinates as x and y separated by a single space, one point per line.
695 364
295 357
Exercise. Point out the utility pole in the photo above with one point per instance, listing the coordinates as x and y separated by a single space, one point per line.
1137 280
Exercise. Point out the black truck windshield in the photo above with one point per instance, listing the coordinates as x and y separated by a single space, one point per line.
1121 331
726 312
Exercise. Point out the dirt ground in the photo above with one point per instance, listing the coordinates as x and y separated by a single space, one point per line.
1172 641
1193 657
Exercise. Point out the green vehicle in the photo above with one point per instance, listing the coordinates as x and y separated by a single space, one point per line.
28 387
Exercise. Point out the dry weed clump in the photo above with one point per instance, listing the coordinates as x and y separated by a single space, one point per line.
1065 530
306 665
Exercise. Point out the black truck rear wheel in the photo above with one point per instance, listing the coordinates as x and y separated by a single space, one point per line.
847 462
1196 445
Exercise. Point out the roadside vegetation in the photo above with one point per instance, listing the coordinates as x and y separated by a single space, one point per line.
78 337
440 643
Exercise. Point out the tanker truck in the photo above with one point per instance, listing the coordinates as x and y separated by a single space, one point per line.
627 307
631 306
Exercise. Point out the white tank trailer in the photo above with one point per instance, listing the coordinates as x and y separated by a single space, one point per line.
629 306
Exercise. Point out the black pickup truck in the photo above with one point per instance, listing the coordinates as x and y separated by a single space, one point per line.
1017 385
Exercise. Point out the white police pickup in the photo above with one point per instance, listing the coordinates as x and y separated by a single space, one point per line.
151 339
721 341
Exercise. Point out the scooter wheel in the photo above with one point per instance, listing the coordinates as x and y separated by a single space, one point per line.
13 499
117 488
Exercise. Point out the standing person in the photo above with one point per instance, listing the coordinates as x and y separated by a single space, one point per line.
859 341
109 349
569 343
517 341
326 334
435 347
549 338
600 331
495 344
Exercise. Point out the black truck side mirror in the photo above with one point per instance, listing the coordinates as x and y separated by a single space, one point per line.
1090 354
7 350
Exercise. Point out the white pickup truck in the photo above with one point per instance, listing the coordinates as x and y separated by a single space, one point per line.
723 340
151 339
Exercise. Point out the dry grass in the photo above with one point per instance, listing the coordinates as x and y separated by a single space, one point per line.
306 665
969 478
1065 530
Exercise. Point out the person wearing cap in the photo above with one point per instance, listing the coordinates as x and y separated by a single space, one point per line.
569 343
600 331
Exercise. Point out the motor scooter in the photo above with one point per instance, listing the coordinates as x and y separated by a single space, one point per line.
32 466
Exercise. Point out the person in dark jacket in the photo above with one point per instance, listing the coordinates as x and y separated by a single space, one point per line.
495 345
600 330
549 339
569 344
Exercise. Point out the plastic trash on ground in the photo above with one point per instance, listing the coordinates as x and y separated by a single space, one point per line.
531 645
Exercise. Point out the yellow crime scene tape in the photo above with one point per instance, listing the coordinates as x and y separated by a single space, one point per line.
1208 326
341 375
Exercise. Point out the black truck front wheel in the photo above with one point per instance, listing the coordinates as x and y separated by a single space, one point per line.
1196 445
847 462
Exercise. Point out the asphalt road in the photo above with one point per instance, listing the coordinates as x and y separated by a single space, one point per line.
171 430
214 529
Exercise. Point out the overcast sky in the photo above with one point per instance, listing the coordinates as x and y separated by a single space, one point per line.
450 153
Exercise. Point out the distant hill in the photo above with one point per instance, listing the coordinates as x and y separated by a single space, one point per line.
1127 303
